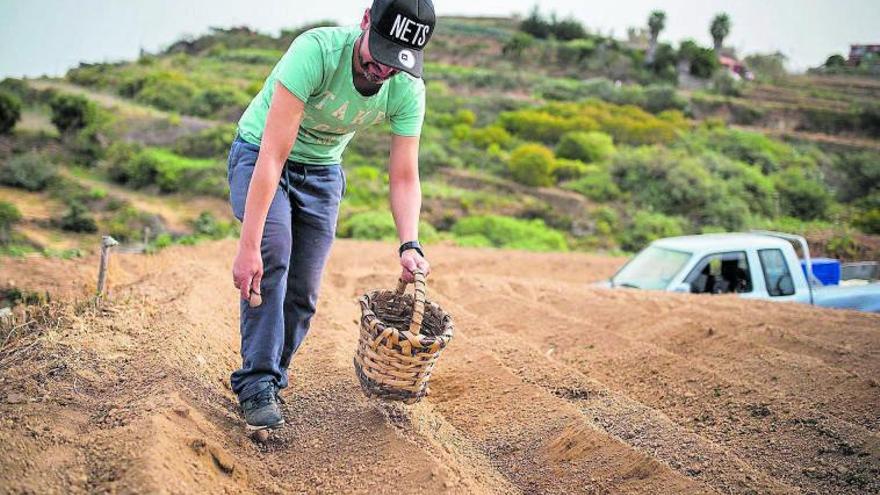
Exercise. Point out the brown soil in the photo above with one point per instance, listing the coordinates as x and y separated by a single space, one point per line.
549 386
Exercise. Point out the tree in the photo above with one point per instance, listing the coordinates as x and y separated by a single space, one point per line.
71 112
10 111
535 24
770 66
656 23
719 30
835 60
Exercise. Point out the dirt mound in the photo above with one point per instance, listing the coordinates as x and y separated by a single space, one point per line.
550 386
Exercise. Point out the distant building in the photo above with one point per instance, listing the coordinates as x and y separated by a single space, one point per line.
735 68
858 52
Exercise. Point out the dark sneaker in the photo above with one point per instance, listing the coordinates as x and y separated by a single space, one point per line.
261 410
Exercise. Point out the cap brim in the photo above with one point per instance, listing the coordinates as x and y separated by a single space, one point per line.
393 55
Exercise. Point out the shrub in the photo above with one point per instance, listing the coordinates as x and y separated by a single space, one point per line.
166 90
648 226
703 61
379 225
77 218
9 216
213 142
575 51
500 231
518 44
206 224
585 146
596 184
802 196
128 223
535 24
31 171
532 165
487 136
564 169
868 221
662 97
72 112
10 111
214 101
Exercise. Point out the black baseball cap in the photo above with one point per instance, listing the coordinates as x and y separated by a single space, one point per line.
399 30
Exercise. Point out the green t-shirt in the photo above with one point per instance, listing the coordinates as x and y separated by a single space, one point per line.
317 70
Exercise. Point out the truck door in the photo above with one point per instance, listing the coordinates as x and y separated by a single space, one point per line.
777 275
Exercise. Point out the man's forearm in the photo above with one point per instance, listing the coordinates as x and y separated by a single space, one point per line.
264 183
406 204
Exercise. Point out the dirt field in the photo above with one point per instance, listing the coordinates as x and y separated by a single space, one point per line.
549 386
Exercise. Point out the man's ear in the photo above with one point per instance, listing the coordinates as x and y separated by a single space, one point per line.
365 22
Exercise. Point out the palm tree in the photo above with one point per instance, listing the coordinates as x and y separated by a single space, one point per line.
720 29
656 23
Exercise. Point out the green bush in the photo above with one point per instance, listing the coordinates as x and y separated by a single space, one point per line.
564 169
703 61
487 136
72 112
868 221
750 147
206 224
217 101
128 223
586 146
596 184
9 216
648 226
507 232
859 174
676 183
32 171
255 56
379 225
18 89
166 90
141 167
802 196
10 111
532 165
78 218
213 142
661 97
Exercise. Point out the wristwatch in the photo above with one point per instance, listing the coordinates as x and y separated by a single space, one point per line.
411 245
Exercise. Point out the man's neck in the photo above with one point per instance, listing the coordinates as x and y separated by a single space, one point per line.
363 86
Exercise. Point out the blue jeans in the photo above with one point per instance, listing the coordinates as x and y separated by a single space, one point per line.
300 227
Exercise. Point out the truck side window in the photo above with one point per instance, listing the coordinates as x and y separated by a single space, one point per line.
721 273
776 273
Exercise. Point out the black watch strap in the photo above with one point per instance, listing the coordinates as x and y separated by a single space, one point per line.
411 245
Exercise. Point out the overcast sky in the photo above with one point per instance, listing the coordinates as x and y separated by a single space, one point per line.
49 36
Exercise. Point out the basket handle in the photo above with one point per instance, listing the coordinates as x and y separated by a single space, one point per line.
421 290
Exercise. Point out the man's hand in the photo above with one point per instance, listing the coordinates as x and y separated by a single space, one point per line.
247 272
411 261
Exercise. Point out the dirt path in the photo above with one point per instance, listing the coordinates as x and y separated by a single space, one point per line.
550 386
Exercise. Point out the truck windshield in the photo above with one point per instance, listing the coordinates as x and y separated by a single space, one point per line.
652 268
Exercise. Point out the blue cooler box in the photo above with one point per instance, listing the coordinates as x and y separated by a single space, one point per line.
827 270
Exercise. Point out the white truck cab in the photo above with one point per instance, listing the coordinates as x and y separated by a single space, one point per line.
759 265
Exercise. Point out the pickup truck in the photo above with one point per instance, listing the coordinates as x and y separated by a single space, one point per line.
757 265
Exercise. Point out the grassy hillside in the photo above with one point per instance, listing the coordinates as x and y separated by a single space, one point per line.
566 142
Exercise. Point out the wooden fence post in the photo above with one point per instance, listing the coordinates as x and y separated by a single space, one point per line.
106 243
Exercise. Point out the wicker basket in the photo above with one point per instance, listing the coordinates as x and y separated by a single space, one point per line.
395 364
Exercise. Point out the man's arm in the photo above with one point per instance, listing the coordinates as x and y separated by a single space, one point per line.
282 126
406 199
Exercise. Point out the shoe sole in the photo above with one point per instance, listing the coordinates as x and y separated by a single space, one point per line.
264 427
